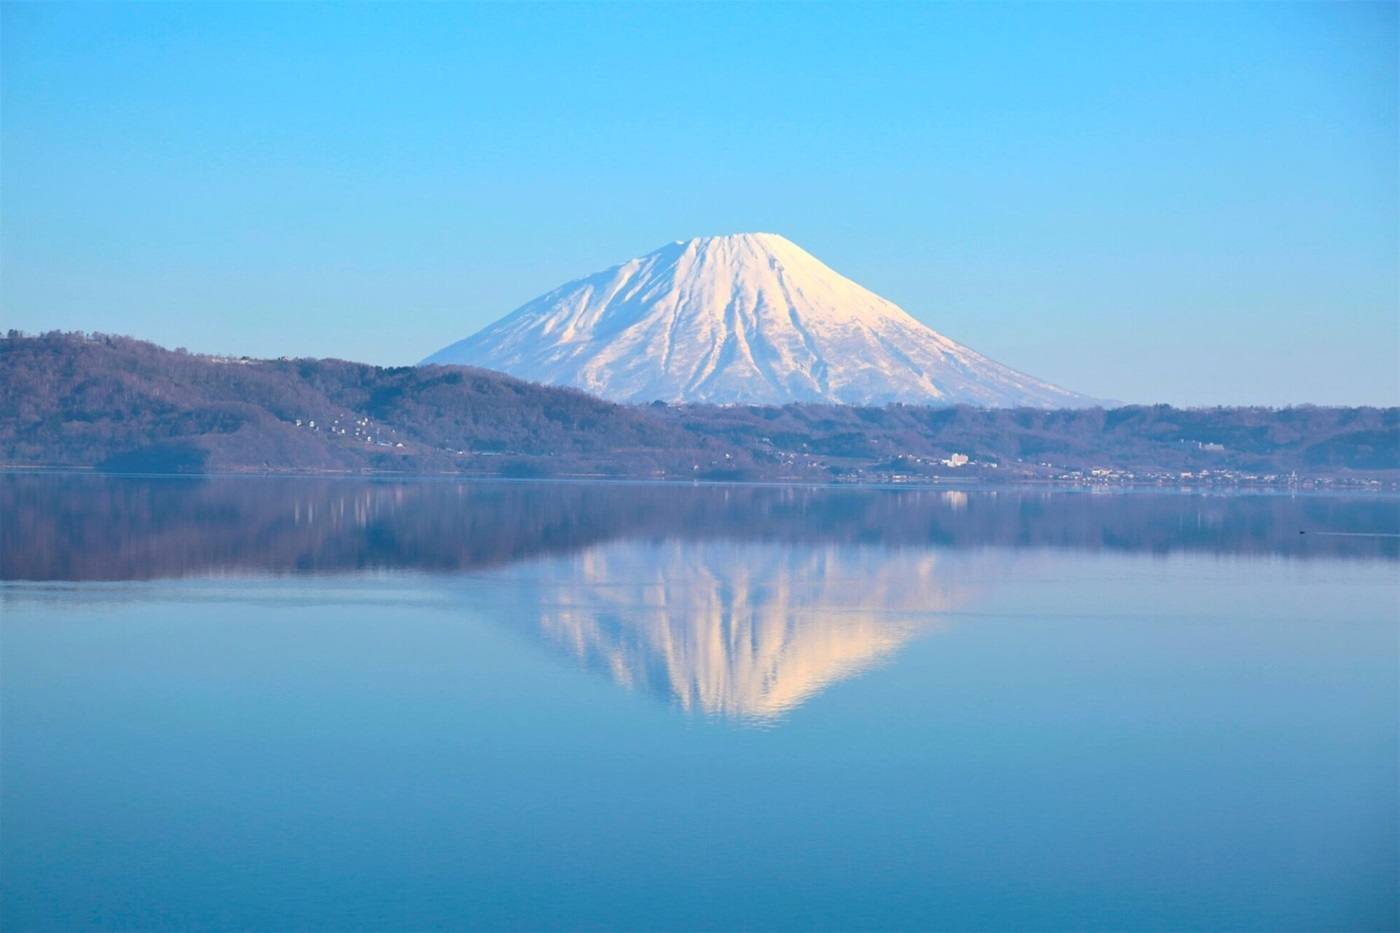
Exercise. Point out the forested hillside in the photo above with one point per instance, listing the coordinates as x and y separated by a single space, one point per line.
119 404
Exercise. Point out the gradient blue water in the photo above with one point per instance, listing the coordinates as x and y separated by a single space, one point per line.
975 725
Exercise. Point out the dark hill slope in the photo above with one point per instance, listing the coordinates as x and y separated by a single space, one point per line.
124 405
1140 438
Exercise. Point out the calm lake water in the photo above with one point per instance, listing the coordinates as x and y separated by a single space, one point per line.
260 704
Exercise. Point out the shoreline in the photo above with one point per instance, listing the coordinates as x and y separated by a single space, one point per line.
1304 486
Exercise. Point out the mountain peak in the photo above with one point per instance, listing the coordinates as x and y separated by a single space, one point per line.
758 241
741 318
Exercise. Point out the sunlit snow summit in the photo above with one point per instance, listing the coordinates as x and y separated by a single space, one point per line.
749 318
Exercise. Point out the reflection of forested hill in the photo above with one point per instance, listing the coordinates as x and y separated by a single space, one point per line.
128 406
76 526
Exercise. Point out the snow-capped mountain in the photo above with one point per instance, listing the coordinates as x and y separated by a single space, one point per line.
749 318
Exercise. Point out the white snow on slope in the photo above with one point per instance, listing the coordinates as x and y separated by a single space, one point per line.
750 318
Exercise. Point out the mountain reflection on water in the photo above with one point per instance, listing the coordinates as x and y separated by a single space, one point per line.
748 629
734 601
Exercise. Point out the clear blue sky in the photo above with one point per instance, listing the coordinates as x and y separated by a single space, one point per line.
1171 202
